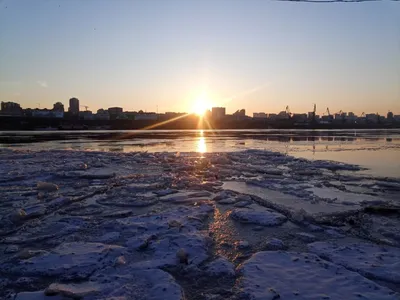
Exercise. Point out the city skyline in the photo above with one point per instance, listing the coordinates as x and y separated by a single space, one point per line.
258 55
76 108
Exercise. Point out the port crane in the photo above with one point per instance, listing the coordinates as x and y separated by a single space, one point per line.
314 113
288 113
327 112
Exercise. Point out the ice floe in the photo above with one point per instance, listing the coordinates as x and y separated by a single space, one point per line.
73 260
258 215
116 225
372 261
290 275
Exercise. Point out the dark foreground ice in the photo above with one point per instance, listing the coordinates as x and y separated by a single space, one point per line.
243 225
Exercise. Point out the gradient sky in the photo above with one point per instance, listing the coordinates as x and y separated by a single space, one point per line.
259 55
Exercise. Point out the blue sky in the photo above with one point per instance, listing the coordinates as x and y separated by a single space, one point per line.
259 55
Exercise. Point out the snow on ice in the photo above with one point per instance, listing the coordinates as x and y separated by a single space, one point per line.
165 226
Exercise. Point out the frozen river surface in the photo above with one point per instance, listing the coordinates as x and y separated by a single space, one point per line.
243 224
376 150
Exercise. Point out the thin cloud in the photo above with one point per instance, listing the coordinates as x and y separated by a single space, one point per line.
42 83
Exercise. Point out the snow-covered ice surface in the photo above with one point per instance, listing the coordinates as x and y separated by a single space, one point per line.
143 225
288 275
373 261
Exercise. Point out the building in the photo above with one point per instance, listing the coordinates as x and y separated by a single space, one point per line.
389 116
46 113
145 116
102 114
58 106
299 118
283 115
326 119
340 117
172 115
272 117
372 118
260 115
11 109
240 113
74 106
218 113
351 118
115 112
207 114
86 115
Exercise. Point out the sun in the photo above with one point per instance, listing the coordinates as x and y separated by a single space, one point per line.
201 105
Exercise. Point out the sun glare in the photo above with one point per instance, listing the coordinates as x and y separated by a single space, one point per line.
201 105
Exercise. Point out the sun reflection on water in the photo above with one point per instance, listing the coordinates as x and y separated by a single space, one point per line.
201 145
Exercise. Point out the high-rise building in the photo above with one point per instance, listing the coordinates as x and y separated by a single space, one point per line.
58 106
74 106
218 112
390 115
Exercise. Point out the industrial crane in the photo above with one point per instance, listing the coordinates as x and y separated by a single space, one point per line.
327 112
287 110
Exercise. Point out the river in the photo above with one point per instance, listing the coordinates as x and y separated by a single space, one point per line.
376 150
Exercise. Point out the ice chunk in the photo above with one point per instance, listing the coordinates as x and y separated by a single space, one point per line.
242 204
11 249
221 195
260 216
77 259
372 261
275 244
126 283
164 250
289 203
344 198
121 201
140 242
34 211
227 201
73 290
306 237
334 233
187 197
47 186
39 295
221 267
287 275
109 237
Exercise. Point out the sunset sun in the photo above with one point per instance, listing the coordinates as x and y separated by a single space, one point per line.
201 105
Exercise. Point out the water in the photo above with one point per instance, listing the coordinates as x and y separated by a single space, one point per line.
376 150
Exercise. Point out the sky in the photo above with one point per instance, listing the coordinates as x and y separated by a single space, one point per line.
165 55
